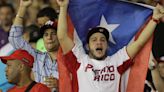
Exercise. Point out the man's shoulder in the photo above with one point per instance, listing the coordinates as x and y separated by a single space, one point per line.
41 88
12 89
40 85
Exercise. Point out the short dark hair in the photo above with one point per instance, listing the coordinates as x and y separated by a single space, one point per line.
48 12
9 6
102 30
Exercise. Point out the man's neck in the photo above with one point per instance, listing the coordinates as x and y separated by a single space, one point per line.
97 58
24 81
53 55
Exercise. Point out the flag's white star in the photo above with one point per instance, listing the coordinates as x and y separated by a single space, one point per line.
109 27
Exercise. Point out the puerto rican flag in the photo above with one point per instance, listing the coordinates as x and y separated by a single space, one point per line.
124 21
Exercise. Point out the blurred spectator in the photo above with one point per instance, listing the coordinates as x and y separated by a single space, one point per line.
157 71
7 13
32 34
46 14
157 67
18 71
158 45
45 68
43 16
34 9
6 16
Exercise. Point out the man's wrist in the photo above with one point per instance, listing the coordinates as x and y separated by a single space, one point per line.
18 16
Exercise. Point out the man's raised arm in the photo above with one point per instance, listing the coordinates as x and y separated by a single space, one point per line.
133 48
65 41
21 11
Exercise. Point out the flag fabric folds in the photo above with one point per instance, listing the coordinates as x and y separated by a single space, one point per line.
123 20
130 17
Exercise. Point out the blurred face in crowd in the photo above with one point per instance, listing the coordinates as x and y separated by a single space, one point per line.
50 40
98 46
161 69
6 16
13 71
42 20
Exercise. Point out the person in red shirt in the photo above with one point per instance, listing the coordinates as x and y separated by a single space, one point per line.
18 70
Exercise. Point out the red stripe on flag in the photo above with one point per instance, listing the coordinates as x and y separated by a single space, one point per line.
139 69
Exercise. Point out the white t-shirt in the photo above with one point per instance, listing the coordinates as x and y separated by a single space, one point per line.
97 75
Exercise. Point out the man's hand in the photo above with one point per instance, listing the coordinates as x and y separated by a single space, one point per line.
63 3
158 12
25 3
51 82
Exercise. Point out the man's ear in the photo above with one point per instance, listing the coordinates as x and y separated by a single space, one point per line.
21 66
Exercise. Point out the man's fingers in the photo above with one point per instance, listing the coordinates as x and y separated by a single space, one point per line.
161 8
51 82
